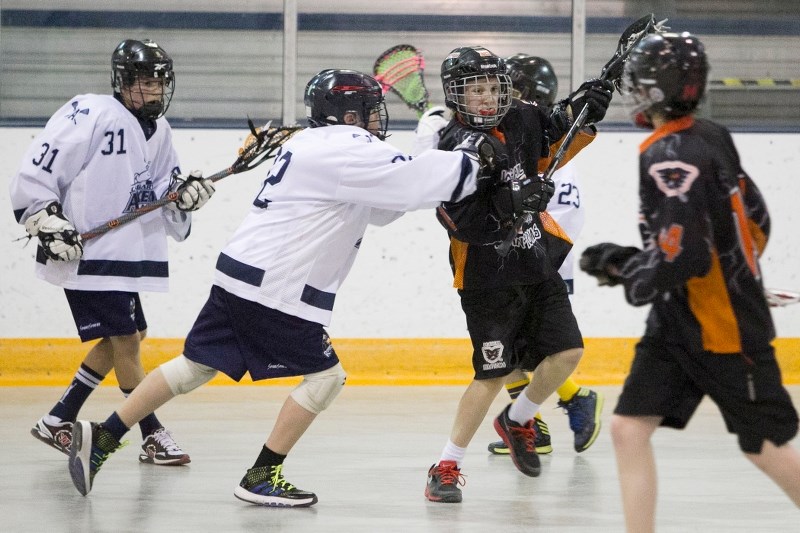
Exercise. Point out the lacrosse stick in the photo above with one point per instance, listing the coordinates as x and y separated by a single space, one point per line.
781 298
261 144
612 71
399 69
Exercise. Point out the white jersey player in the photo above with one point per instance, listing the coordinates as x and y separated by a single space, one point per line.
533 80
96 160
99 157
278 276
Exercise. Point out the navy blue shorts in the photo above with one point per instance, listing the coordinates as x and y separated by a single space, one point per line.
668 381
99 314
235 336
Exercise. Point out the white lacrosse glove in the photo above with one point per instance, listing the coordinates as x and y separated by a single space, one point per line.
193 191
58 237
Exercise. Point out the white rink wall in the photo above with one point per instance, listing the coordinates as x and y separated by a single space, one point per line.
400 285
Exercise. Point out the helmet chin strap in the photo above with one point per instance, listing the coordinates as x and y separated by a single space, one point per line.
150 110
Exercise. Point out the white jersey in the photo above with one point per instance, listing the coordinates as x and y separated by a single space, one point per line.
429 129
565 205
297 244
566 208
93 158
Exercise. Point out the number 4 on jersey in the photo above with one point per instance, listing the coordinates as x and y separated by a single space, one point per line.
669 241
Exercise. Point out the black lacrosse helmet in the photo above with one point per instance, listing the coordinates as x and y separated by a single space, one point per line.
133 61
665 73
532 79
475 64
333 94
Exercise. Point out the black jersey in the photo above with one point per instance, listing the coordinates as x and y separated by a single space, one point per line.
522 145
703 223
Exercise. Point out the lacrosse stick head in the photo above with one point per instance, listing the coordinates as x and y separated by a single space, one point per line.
400 70
468 74
261 144
665 73
629 38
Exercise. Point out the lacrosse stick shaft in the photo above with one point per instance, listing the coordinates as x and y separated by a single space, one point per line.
133 215
580 121
265 145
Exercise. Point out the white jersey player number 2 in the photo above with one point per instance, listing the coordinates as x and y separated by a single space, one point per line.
274 177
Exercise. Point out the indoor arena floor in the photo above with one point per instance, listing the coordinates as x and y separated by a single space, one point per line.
367 459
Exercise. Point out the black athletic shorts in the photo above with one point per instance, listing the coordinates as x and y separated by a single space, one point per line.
517 327
667 381
235 336
100 314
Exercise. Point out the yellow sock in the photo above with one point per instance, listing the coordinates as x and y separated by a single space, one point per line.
567 390
514 389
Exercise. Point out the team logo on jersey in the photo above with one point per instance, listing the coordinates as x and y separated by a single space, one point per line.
77 111
514 172
142 191
493 355
528 238
674 178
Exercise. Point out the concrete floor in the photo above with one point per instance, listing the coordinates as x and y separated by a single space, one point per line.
367 458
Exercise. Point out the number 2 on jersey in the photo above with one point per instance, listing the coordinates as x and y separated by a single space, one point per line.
274 177
565 197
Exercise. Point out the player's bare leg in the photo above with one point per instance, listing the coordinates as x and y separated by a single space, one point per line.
782 465
472 409
149 395
636 467
127 360
101 357
551 373
158 445
293 421
445 476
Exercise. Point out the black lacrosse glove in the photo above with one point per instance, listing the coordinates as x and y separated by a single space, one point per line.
529 195
596 260
595 93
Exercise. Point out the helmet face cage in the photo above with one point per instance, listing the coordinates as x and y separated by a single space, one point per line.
457 96
533 79
346 97
135 65
664 74
464 69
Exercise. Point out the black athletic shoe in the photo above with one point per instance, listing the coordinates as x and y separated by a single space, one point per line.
91 446
265 485
443 482
542 442
521 442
